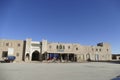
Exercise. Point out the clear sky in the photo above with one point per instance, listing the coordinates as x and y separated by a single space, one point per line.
74 21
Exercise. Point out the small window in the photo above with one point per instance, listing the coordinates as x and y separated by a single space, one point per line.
57 47
60 47
107 50
68 47
99 49
5 54
96 49
17 54
19 45
76 48
63 47
7 44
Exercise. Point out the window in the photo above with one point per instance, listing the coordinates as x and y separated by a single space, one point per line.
57 47
68 47
99 49
19 45
76 48
107 49
96 49
7 44
60 47
63 47
5 54
17 54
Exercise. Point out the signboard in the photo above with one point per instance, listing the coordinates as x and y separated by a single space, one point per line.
60 50
10 51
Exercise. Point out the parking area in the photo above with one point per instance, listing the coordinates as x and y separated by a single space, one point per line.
60 71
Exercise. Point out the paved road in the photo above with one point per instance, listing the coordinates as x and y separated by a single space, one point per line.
59 71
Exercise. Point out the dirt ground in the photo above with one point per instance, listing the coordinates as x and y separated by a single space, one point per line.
59 71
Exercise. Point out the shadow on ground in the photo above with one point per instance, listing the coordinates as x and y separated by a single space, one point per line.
117 78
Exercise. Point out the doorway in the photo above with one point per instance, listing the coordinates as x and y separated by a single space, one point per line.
35 56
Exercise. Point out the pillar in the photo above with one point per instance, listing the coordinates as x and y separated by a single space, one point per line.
67 57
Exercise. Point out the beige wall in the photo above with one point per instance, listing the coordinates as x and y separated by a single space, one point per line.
98 52
16 45
101 51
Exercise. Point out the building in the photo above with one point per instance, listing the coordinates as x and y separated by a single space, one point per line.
115 56
12 47
28 50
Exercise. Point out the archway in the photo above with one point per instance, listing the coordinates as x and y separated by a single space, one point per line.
35 56
27 56
88 57
96 57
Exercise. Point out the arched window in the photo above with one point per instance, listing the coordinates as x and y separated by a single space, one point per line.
76 48
60 47
18 45
68 47
96 49
63 47
57 47
7 44
107 49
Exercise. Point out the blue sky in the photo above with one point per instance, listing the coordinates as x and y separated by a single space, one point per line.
78 21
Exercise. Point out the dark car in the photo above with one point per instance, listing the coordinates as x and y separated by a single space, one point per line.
10 59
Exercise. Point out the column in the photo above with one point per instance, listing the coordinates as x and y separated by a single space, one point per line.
68 57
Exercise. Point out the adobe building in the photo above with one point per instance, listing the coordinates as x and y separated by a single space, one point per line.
12 48
28 50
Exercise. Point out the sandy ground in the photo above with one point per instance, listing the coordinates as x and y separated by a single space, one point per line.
59 71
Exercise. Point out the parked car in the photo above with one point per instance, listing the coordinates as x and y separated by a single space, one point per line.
10 59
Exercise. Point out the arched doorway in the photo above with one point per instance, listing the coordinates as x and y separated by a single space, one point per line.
88 57
35 56
96 57
27 56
